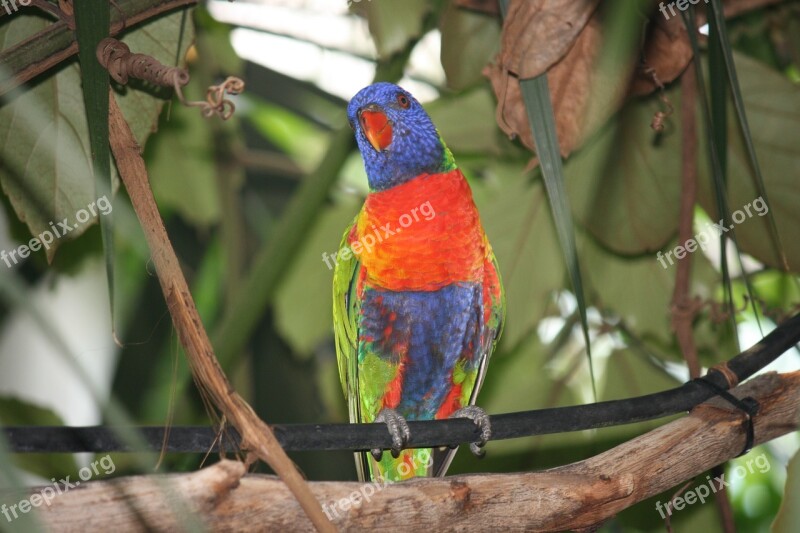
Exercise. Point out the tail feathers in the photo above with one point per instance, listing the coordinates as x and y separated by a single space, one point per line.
410 463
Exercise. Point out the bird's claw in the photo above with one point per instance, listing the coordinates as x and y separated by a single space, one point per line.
398 429
481 419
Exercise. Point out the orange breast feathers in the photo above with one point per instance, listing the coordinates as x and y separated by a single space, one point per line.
421 235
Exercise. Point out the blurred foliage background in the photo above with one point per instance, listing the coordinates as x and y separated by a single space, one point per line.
257 200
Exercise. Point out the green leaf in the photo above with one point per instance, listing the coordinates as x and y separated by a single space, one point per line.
393 24
789 514
469 41
772 102
516 218
730 68
310 280
187 183
46 168
16 412
623 183
462 122
638 290
718 139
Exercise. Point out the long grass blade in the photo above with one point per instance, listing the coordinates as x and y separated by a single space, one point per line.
715 156
536 95
717 23
92 20
718 129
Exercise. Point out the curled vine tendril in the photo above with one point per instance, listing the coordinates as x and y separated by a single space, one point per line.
116 57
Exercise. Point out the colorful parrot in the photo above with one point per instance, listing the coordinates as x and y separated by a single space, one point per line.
418 303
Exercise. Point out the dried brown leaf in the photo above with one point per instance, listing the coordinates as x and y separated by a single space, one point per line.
570 82
538 33
666 54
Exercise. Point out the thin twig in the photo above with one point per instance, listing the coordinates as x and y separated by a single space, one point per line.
684 308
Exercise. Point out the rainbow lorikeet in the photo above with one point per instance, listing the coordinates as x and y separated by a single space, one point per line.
418 302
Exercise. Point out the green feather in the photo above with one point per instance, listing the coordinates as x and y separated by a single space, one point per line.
346 306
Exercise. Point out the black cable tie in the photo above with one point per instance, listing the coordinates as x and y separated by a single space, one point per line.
749 406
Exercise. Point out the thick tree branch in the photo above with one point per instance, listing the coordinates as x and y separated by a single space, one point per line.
576 496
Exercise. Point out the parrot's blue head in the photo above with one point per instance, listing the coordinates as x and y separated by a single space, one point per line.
397 138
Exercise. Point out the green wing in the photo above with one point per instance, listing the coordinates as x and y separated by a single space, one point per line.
493 329
345 312
346 308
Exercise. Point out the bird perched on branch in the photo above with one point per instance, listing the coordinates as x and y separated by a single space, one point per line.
418 302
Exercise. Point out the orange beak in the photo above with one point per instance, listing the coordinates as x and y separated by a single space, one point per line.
376 126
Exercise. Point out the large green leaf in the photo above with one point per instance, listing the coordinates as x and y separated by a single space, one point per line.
719 29
469 41
186 183
639 289
91 26
771 101
393 24
45 167
311 280
465 122
624 184
517 220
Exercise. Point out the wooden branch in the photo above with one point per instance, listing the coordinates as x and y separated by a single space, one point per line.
577 496
256 435
56 43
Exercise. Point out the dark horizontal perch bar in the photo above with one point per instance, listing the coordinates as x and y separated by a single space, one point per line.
307 437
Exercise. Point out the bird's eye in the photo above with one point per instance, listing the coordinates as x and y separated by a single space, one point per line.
403 100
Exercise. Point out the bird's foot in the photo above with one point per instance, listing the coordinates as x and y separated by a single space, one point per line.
481 419
398 429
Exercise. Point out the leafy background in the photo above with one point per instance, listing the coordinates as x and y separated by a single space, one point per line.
228 191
